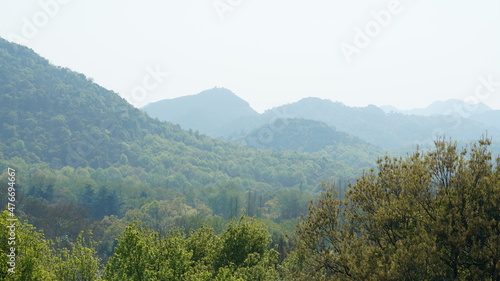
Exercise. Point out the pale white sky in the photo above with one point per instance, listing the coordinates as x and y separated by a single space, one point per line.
269 52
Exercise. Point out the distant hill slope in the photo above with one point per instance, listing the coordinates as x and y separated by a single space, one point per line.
490 118
441 108
299 135
316 138
54 115
210 111
389 131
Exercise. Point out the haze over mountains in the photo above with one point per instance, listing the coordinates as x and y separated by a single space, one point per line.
220 113
447 107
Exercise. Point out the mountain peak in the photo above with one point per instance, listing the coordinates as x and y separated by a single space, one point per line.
218 91
207 111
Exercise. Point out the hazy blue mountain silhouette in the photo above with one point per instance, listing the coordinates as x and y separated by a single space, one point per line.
209 112
490 118
387 130
446 107
372 124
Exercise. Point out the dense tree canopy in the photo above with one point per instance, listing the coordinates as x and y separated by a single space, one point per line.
428 216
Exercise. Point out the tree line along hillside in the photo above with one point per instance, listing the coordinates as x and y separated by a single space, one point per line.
428 216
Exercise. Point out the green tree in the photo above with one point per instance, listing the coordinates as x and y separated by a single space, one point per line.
33 257
429 216
132 256
243 237
202 243
142 255
78 263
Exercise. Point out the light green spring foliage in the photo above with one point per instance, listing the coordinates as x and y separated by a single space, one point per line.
429 216
142 255
239 253
33 256
78 262
37 260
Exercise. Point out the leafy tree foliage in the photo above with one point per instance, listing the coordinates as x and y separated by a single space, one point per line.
32 253
77 262
429 216
242 237
143 254
239 253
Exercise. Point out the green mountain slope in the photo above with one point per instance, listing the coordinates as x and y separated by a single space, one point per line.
299 135
53 115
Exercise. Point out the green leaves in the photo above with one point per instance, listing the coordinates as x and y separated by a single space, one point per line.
239 253
431 216
241 238
79 262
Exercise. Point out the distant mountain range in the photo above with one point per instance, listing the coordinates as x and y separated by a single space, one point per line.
447 107
229 117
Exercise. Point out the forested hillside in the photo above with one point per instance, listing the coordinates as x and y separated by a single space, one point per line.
87 160
300 135
101 191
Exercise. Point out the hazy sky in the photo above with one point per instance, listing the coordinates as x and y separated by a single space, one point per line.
270 52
